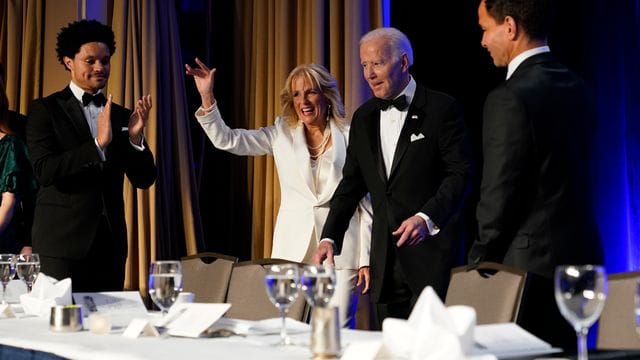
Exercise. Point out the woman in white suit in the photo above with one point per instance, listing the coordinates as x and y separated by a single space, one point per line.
308 143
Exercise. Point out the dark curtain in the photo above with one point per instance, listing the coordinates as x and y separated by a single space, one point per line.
208 30
615 30
172 113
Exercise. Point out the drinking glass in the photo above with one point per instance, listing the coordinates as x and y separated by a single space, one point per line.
28 268
7 272
281 282
318 283
580 293
165 283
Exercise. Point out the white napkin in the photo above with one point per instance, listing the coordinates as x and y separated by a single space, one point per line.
45 293
431 332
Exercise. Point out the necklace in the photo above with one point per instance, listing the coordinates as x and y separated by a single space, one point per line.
316 151
325 139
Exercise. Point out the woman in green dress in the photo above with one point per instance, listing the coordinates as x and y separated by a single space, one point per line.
17 183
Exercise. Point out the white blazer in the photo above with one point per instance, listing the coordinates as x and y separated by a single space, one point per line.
301 211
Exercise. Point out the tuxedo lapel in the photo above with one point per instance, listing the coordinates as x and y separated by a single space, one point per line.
412 125
372 123
71 107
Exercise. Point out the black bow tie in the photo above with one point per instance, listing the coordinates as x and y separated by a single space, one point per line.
98 99
400 103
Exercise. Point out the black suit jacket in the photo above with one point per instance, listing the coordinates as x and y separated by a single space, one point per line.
76 187
429 175
534 211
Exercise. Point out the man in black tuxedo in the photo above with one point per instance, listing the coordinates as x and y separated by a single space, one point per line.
409 149
81 146
534 211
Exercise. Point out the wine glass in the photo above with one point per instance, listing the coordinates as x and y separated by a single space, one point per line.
580 293
165 283
7 272
28 268
318 283
281 282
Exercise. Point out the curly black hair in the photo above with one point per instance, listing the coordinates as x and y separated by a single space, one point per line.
78 33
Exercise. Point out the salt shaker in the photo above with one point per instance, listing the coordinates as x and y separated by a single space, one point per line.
325 332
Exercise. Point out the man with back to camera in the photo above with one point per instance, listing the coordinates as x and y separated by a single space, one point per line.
409 149
535 211
81 146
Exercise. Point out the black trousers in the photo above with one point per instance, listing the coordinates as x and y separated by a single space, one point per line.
396 298
101 270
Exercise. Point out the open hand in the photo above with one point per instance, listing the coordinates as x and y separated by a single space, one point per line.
139 118
104 125
203 77
412 231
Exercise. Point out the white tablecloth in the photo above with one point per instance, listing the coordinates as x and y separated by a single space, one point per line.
34 333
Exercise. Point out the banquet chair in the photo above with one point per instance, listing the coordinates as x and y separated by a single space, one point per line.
248 297
617 325
494 290
207 275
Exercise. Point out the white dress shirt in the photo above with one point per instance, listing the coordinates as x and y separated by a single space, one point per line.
516 61
391 123
91 112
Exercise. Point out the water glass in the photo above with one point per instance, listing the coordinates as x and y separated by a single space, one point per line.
165 283
28 268
281 282
318 283
7 272
580 293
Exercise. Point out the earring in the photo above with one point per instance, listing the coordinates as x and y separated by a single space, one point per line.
328 112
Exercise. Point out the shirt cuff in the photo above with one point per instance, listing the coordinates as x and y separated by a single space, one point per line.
431 226
100 151
204 111
138 147
329 241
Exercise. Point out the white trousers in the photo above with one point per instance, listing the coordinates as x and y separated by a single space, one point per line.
345 297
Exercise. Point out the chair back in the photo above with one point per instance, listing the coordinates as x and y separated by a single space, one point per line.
248 297
207 276
493 290
617 325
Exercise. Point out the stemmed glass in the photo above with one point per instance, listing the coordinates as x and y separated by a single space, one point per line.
318 283
28 268
580 294
7 272
281 282
165 283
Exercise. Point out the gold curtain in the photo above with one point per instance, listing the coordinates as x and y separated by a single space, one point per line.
21 44
278 35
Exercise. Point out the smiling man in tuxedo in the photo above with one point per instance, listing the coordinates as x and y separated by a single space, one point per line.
535 210
408 148
81 146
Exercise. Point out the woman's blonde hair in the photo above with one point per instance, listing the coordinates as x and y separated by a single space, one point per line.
323 80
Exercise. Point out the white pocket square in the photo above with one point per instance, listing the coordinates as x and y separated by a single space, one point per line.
415 137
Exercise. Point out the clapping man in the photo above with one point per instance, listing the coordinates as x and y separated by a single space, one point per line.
81 145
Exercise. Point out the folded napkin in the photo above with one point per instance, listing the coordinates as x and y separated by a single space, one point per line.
432 332
45 293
